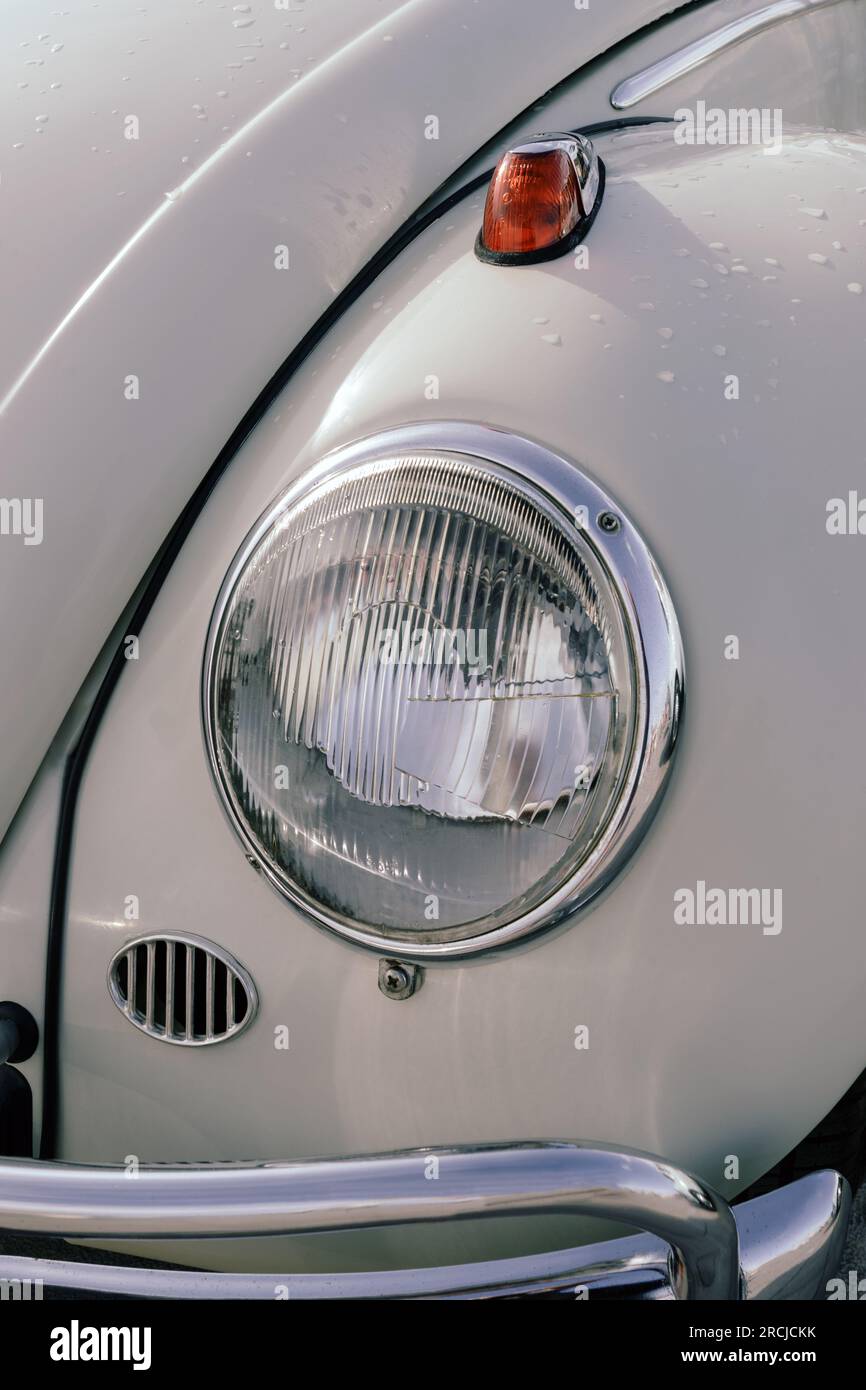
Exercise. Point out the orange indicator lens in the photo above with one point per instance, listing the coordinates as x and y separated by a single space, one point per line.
533 202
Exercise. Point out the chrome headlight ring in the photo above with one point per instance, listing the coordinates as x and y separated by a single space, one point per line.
622 566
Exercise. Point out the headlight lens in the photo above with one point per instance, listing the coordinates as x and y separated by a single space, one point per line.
423 698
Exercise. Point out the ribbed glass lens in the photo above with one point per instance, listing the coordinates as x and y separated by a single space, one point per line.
422 698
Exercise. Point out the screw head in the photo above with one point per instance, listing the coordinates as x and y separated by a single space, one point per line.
609 522
395 979
398 981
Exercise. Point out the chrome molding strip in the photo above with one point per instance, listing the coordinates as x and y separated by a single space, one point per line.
79 1202
790 1245
659 74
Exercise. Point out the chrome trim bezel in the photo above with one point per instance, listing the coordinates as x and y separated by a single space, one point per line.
653 632
210 948
674 65
579 149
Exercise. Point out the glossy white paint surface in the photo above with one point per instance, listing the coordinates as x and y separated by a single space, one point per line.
704 1042
120 260
810 68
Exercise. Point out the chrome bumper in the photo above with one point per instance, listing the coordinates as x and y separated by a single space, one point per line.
784 1245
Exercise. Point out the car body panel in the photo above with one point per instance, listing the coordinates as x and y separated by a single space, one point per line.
707 1044
166 272
808 68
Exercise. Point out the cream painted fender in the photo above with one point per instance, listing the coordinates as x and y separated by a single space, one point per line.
705 366
182 145
142 313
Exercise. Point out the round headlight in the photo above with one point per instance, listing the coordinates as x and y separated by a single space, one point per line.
441 690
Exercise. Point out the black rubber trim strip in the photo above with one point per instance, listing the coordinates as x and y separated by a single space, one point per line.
77 758
546 253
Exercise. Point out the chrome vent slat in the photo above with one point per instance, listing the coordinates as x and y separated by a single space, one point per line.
150 988
169 987
190 977
129 1008
182 989
230 1001
208 999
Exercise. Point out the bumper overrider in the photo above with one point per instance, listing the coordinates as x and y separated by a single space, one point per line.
785 1245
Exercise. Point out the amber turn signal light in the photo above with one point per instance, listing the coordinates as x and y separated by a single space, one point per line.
542 200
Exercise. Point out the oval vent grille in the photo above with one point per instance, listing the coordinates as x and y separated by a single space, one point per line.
182 989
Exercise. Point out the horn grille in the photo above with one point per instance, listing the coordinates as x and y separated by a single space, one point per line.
182 989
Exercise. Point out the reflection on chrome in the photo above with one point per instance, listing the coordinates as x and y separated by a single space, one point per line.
426 692
784 1245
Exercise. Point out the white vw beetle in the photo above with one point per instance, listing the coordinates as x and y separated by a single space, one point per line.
391 395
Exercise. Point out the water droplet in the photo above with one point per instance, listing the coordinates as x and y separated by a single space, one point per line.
720 350
682 252
648 307
596 318
817 258
770 260
718 246
700 284
666 333
541 319
855 287
56 47
666 376
552 338
242 23
41 118
813 212
837 246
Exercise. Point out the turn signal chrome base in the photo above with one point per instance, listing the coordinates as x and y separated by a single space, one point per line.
542 200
